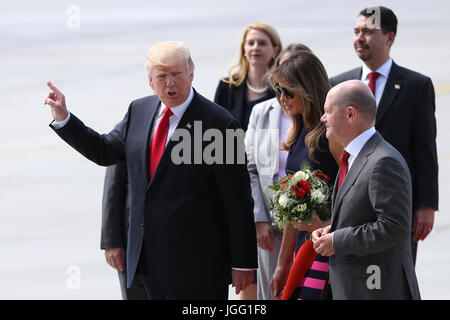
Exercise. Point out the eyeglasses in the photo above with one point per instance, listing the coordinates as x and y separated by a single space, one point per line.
280 90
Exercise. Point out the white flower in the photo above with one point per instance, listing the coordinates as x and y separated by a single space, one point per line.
283 200
303 207
317 195
301 176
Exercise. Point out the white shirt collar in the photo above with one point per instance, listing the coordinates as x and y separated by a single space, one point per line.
179 110
383 70
355 146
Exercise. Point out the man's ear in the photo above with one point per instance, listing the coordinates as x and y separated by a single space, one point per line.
150 82
352 113
391 38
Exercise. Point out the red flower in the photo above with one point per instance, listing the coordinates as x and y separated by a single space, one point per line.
322 176
301 188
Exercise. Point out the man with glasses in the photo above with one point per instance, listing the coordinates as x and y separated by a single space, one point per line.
405 110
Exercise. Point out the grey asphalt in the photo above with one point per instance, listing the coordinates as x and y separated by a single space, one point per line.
50 197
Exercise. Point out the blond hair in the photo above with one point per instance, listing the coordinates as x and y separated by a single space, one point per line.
235 78
165 53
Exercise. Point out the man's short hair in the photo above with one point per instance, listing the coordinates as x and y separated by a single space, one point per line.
357 94
165 53
388 20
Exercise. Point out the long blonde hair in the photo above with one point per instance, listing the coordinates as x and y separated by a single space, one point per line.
304 74
238 72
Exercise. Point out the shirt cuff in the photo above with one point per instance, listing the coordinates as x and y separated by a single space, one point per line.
60 124
245 269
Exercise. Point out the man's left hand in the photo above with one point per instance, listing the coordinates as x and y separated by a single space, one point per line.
423 223
241 279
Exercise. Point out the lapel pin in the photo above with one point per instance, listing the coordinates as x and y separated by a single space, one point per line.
397 86
189 126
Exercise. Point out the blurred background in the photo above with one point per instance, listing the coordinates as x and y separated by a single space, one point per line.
50 197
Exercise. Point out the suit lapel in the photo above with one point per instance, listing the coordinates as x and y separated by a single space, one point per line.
352 175
149 119
333 199
392 88
186 122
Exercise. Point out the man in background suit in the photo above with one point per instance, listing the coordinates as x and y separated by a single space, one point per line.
405 111
368 241
191 229
115 217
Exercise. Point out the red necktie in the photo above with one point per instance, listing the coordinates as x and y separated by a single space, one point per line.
373 76
344 167
159 141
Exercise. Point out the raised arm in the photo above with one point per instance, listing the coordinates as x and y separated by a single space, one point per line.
57 103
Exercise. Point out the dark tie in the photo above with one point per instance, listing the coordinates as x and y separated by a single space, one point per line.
344 167
159 141
373 76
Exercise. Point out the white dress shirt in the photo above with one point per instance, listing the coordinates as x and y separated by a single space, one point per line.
355 146
380 83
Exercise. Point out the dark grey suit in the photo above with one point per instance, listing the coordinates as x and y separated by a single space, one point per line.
371 222
115 221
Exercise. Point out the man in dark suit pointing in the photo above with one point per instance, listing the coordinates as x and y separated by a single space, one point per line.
405 110
191 229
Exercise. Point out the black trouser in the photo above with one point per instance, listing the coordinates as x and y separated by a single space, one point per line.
157 291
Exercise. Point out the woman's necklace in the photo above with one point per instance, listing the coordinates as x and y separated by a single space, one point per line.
259 91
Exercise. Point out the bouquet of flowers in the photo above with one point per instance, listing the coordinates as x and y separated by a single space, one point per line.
298 194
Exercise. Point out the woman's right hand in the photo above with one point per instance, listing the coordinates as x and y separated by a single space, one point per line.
314 224
265 237
278 281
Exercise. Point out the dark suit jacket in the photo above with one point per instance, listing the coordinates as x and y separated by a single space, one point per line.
405 119
115 207
196 220
371 222
234 100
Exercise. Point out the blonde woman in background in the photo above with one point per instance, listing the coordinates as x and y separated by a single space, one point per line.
246 83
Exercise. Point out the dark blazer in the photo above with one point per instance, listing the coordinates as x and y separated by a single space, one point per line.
234 100
115 207
371 222
406 119
195 220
